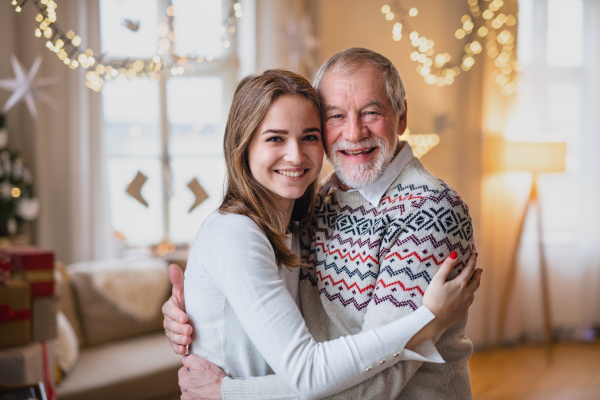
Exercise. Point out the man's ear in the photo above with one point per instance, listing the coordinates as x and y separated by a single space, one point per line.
403 121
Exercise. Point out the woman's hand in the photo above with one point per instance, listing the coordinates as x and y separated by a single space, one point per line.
449 301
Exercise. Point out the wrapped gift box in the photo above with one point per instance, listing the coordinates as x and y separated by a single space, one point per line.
15 313
5 258
29 364
43 318
36 266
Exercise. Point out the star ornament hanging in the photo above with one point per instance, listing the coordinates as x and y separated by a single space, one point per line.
26 87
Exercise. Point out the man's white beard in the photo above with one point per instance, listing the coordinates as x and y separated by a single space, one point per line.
361 175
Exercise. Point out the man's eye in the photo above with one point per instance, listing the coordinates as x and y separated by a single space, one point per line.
336 116
371 113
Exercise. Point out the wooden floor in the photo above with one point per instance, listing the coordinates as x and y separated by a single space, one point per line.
522 372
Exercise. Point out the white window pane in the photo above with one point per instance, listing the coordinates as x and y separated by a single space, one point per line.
209 171
525 48
140 225
198 26
564 39
563 110
120 42
196 120
195 113
131 117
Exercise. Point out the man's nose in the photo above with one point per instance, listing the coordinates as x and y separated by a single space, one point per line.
355 129
294 153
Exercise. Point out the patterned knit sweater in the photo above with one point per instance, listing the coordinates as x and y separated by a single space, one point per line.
369 266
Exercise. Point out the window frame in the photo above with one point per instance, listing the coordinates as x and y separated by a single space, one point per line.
226 69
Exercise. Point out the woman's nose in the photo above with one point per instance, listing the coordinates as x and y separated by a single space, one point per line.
294 153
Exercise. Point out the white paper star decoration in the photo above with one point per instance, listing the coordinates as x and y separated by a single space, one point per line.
26 87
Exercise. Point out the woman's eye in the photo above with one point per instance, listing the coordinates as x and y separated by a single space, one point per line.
311 137
274 139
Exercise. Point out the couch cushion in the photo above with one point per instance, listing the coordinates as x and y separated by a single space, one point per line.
144 367
101 320
67 301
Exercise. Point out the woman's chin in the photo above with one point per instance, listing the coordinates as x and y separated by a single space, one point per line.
293 194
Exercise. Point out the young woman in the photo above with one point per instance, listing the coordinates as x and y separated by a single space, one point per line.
241 281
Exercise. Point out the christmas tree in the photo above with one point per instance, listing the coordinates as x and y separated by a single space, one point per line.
17 201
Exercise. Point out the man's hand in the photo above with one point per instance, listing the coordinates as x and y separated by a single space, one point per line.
200 379
176 328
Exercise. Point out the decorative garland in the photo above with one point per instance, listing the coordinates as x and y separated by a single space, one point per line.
498 29
67 46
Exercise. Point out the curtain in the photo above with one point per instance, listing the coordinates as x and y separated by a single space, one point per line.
63 147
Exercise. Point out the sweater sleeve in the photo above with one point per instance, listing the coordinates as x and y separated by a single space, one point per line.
272 387
239 259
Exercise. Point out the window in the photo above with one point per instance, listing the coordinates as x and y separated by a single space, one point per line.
169 128
550 103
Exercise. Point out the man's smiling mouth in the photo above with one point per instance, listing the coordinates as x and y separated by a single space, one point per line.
358 152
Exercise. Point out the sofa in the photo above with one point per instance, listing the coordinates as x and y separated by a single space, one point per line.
123 352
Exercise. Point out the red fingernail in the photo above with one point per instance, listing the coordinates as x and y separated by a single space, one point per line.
453 255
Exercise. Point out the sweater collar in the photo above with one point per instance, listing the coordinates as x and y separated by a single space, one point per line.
375 192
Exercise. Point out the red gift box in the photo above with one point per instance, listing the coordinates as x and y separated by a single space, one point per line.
15 313
36 266
4 266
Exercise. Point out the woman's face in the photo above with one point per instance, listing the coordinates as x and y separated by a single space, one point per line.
286 152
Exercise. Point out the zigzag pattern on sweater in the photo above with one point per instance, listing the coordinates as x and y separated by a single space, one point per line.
354 285
362 305
360 242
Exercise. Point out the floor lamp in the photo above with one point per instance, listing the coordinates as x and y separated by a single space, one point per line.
535 158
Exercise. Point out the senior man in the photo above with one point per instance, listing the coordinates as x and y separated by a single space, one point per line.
383 226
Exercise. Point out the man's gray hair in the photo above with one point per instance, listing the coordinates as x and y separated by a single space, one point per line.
351 59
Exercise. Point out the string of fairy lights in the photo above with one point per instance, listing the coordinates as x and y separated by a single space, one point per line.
486 22
67 47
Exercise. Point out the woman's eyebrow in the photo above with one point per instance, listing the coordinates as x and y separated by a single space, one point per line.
313 129
279 131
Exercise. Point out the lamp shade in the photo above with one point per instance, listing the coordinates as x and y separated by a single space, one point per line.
534 157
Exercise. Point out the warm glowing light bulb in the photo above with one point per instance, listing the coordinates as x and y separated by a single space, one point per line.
385 9
487 14
413 12
460 33
16 192
483 31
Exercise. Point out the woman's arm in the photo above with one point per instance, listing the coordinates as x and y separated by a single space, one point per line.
238 258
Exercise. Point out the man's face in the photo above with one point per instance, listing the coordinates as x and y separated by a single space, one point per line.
361 129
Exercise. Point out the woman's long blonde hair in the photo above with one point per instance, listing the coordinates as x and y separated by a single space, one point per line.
243 194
